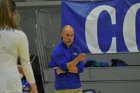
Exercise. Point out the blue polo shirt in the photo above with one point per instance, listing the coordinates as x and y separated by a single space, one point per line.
60 57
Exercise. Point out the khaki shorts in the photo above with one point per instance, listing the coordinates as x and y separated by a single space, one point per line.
78 90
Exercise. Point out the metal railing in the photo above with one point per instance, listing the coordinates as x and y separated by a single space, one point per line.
44 42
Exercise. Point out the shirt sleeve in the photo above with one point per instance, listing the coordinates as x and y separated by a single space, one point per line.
80 67
59 60
81 64
23 52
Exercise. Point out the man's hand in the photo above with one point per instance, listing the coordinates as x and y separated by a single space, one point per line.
81 57
72 65
74 70
59 71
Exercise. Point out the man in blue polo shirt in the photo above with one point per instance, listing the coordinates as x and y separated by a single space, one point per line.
68 63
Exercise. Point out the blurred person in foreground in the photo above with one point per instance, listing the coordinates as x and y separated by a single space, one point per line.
67 60
13 44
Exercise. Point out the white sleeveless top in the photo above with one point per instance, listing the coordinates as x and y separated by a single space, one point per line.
13 43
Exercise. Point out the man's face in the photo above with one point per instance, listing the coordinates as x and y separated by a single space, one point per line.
68 36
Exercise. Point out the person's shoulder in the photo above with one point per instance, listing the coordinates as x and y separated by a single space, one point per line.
19 32
58 48
20 36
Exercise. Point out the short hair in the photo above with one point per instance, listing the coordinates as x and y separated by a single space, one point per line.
67 27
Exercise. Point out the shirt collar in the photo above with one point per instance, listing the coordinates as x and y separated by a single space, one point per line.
66 45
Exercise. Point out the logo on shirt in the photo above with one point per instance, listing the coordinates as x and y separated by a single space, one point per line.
75 54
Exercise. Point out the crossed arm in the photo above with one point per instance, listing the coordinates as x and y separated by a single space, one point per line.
74 66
